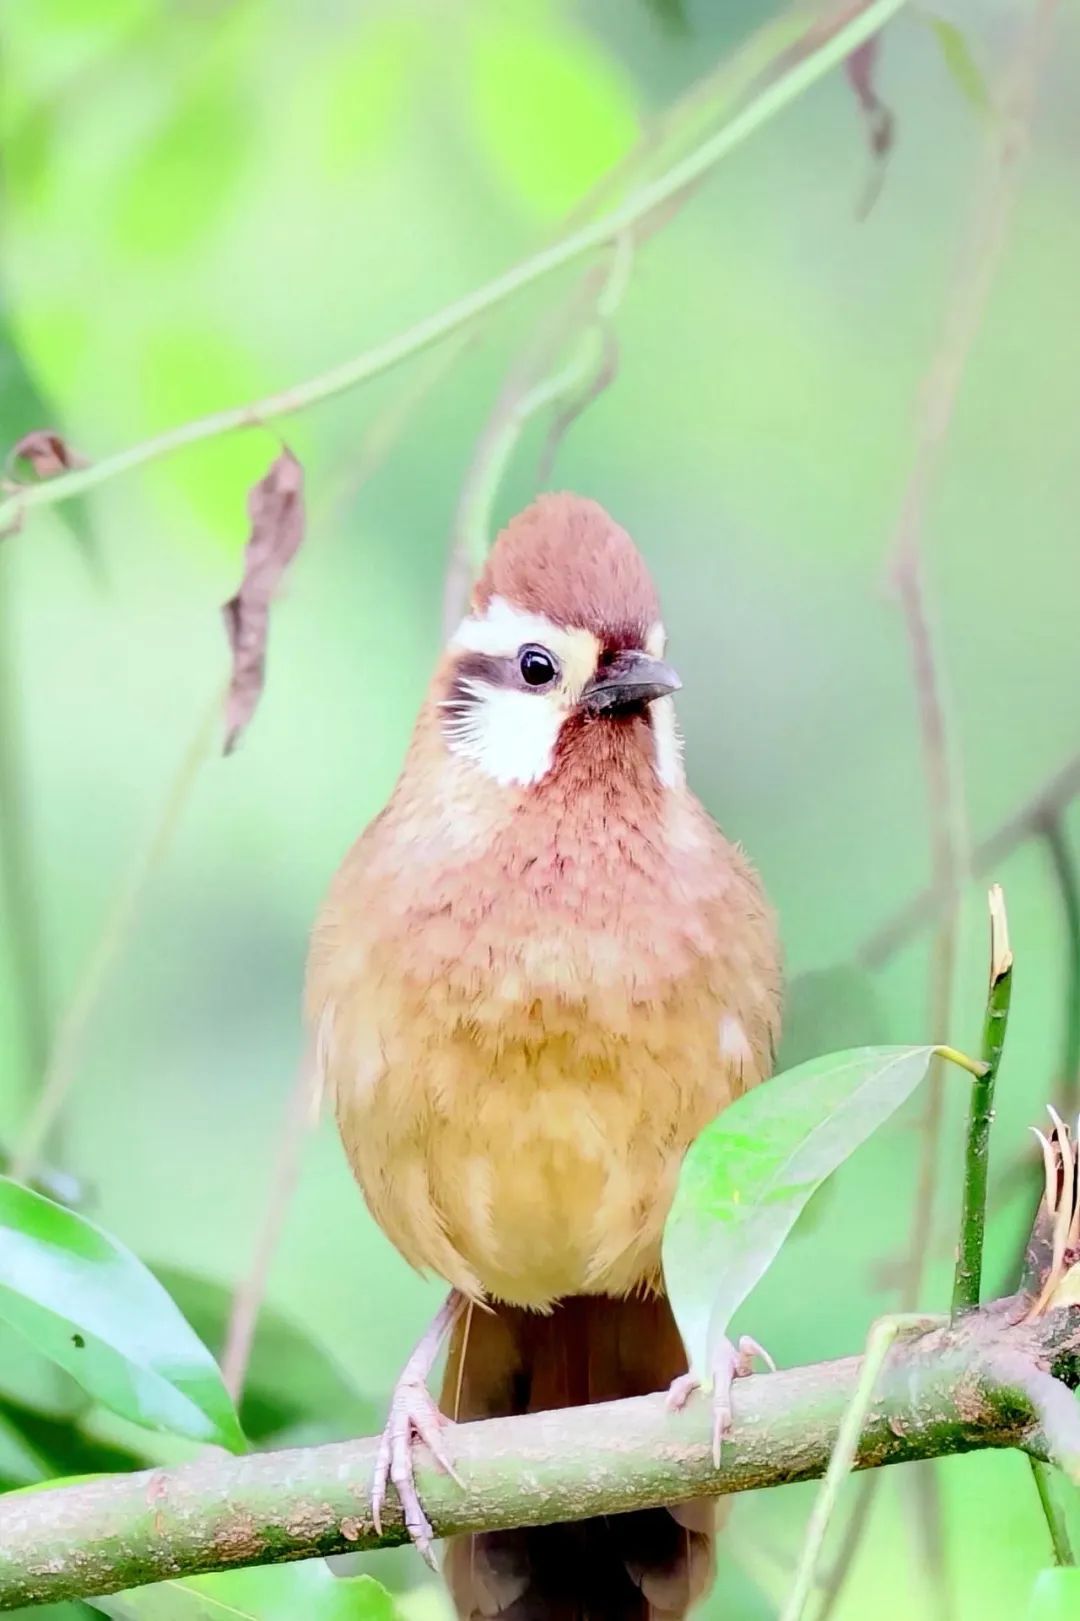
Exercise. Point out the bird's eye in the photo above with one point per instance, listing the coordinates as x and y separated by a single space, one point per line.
538 667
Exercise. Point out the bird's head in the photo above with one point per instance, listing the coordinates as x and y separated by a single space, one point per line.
563 642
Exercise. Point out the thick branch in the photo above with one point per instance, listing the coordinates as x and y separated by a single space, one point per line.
954 1390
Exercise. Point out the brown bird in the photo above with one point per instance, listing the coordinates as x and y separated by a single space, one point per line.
538 974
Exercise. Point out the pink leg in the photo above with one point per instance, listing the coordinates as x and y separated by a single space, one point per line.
415 1415
729 1363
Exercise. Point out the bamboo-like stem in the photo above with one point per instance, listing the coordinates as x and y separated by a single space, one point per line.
802 72
1053 1513
975 1384
967 1281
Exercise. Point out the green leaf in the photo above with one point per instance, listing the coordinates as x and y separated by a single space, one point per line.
750 1173
86 1302
962 66
67 1448
291 1381
272 1593
21 1464
1056 1595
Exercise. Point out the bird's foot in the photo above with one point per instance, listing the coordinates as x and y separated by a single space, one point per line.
729 1362
414 1416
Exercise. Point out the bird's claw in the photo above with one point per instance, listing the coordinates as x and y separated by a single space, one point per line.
729 1362
414 1416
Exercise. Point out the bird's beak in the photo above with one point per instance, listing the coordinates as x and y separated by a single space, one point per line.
631 678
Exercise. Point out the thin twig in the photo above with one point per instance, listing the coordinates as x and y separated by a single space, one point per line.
111 941
588 309
951 859
1052 1512
299 1118
1046 805
125 910
967 1282
530 387
301 1110
858 1521
841 1462
804 71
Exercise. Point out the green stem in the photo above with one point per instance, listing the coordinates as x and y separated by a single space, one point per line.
878 1344
1055 1516
568 250
967 1282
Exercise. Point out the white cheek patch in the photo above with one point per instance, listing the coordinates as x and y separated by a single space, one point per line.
667 742
510 735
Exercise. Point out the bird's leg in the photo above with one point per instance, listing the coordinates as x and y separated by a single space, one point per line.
729 1362
415 1415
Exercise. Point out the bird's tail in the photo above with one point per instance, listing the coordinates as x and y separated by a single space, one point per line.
650 1565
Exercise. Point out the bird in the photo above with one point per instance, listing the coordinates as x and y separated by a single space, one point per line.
537 975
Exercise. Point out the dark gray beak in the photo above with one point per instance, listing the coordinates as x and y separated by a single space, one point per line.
631 678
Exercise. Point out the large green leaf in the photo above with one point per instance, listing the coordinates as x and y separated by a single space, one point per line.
87 1303
750 1173
1056 1595
304 1592
292 1384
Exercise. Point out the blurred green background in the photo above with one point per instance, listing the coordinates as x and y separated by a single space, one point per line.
205 201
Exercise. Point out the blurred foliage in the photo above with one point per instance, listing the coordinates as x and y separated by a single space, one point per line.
206 201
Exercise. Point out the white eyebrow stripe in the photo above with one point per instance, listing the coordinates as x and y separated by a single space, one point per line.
656 640
502 629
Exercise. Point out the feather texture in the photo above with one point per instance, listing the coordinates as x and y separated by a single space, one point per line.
532 987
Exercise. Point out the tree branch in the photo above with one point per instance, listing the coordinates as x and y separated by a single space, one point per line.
827 52
983 1382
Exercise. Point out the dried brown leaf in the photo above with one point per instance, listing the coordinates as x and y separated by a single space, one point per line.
276 510
861 70
46 453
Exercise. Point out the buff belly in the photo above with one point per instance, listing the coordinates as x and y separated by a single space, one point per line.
530 1169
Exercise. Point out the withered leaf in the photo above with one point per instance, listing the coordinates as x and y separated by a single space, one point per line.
276 509
861 70
47 453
